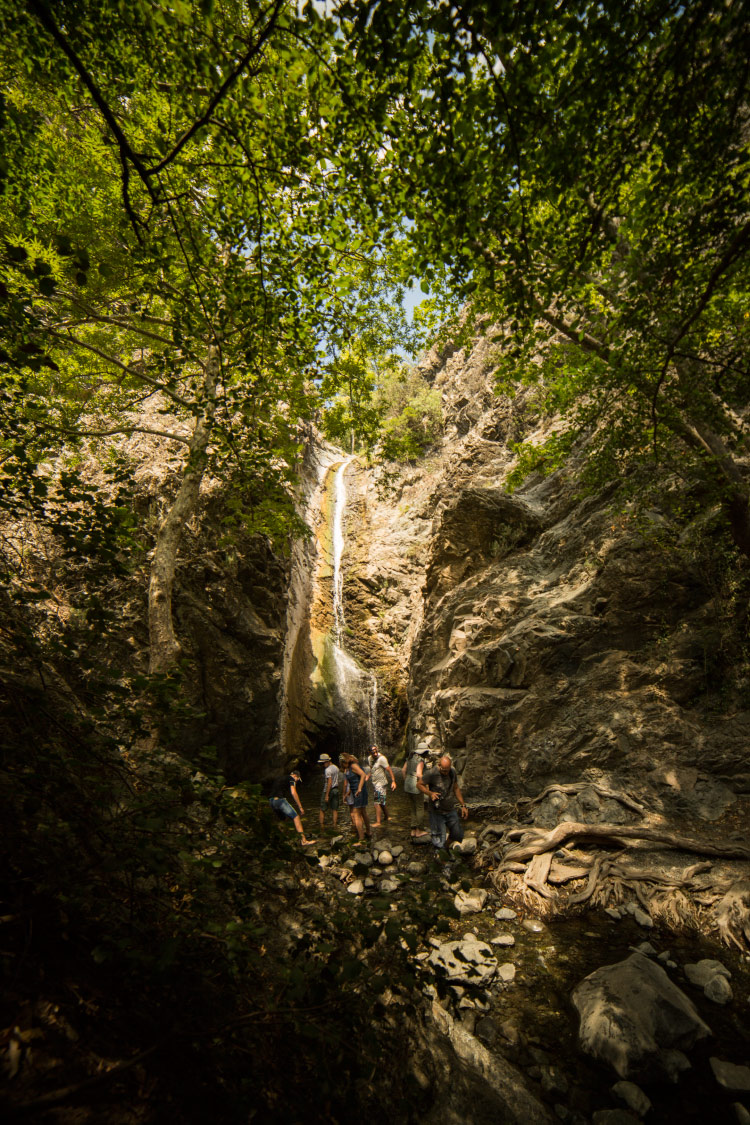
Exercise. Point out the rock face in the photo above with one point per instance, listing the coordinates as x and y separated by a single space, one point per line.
542 635
636 1019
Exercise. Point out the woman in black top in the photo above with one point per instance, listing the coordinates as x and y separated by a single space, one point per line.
283 792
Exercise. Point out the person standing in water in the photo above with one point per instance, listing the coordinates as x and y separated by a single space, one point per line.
413 768
329 798
379 768
357 781
448 807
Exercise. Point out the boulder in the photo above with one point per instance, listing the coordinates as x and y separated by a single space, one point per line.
465 962
632 1015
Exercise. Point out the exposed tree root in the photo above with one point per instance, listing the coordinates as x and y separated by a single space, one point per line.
733 915
535 841
626 799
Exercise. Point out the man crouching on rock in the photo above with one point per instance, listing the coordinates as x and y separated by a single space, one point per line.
447 805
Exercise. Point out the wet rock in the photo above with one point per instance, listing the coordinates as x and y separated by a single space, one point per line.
731 1077
470 902
503 939
362 857
397 850
613 913
385 858
388 885
415 868
506 972
465 962
633 1096
356 887
533 925
505 914
631 1014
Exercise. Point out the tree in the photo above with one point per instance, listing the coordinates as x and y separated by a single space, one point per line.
581 172
187 205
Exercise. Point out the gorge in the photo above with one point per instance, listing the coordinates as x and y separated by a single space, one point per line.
374 373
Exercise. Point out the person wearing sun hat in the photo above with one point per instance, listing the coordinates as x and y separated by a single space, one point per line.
329 798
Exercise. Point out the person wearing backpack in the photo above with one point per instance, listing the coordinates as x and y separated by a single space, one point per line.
448 807
412 773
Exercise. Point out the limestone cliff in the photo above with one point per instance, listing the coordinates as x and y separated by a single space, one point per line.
545 634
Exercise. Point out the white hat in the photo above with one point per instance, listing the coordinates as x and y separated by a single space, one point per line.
423 748
324 758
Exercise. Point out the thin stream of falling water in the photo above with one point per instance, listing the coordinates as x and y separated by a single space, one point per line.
358 685
339 504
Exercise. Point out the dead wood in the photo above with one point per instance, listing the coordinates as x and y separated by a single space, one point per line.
537 872
534 843
564 872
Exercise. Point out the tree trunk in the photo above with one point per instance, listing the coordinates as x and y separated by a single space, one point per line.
164 648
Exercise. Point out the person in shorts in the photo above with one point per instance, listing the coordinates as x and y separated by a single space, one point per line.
356 779
283 792
329 798
379 770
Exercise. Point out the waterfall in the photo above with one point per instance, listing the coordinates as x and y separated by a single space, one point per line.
358 687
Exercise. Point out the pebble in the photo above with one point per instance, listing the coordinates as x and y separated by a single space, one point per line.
415 868
645 947
388 885
643 919
613 913
505 914
470 902
385 858
533 925
506 972
503 939
356 887
397 850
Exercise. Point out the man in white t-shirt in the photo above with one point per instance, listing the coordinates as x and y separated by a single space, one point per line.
379 769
